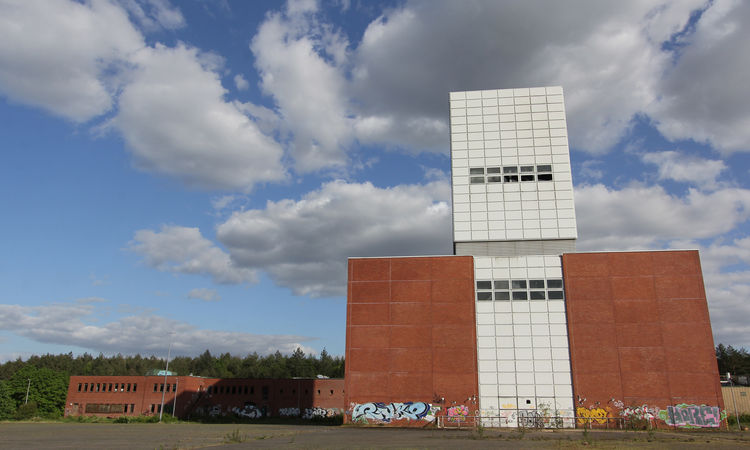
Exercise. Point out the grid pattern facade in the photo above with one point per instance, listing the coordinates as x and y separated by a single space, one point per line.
523 354
511 172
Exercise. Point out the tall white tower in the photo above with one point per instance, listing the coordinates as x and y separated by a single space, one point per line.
512 188
513 211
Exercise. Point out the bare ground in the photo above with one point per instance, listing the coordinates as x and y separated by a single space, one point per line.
226 436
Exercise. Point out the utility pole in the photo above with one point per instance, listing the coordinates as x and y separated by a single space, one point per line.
27 392
174 403
164 386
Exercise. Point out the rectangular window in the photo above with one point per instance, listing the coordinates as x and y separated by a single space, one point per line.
501 284
79 387
494 170
252 390
510 169
246 390
494 179
554 284
476 180
161 387
536 284
544 168
529 169
527 177
511 178
85 387
484 295
174 387
519 295
555 295
502 296
518 284
135 385
110 387
128 387
168 387
544 177
537 295
156 387
484 284
132 407
153 407
264 393
476 171
98 387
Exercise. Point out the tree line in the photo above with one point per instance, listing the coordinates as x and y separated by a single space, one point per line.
46 377
734 361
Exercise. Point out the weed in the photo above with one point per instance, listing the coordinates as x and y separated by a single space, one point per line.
586 436
235 437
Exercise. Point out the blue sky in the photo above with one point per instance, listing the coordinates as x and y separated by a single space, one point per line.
200 171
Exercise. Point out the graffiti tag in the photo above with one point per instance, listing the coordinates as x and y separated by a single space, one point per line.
457 413
319 413
249 411
288 412
591 415
685 415
386 412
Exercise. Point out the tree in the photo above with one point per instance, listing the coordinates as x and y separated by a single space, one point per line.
47 388
7 405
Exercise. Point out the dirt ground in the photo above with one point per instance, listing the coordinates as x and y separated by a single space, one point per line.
192 436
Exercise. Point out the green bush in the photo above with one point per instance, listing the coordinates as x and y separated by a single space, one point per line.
26 411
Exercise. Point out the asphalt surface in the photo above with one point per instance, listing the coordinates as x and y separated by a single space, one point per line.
234 436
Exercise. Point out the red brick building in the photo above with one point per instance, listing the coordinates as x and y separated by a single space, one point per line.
114 396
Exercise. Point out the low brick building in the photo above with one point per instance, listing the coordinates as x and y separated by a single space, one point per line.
114 396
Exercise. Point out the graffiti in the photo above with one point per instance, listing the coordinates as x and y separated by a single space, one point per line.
386 412
591 415
530 418
215 411
457 413
643 412
693 416
249 411
288 412
320 413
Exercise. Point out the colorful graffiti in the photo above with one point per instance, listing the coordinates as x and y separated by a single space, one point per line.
457 413
319 413
643 412
288 412
693 416
592 415
386 412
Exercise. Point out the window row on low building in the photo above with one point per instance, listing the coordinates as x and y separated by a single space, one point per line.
504 290
510 174
107 387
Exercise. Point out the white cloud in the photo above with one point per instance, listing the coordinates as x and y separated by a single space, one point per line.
304 244
153 15
704 96
693 170
207 295
175 120
642 217
64 57
241 83
73 324
184 250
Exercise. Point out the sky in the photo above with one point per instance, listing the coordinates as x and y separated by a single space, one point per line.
198 172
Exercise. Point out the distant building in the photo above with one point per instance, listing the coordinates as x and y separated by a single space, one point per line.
516 327
114 396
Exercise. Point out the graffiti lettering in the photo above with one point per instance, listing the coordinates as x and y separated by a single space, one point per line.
691 416
386 412
457 413
530 418
591 415
315 413
249 411
288 412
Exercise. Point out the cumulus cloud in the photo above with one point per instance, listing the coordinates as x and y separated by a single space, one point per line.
184 250
173 116
642 217
703 97
64 57
693 170
304 244
153 15
74 324
240 82
207 295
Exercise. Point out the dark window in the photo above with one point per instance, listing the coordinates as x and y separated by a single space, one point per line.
484 284
519 295
537 295
245 390
511 178
86 387
79 387
510 169
519 284
494 179
501 284
476 171
502 295
555 295
281 391
252 390
153 407
536 284
174 387
234 389
331 391
494 170
476 180
544 177
135 386
544 168
167 387
552 284
264 392
527 177
128 387
155 387
318 391
527 169
484 295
